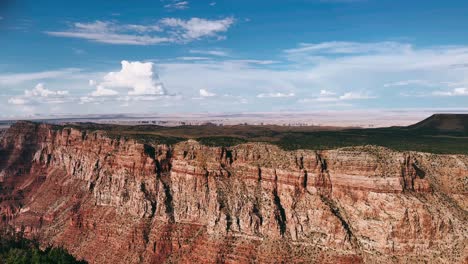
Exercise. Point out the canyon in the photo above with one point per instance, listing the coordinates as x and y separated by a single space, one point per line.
112 199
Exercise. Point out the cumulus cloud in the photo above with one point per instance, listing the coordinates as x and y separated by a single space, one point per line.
167 30
137 78
275 95
17 101
101 91
40 91
39 94
205 93
358 79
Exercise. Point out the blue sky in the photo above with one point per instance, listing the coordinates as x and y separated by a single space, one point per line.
171 56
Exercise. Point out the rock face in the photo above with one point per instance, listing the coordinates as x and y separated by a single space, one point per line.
111 200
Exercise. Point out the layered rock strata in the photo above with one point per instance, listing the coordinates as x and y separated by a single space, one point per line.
115 200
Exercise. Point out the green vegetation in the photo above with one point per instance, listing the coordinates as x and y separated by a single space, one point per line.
146 138
14 249
392 138
444 134
221 141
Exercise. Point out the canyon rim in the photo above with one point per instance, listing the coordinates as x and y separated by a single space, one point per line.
109 199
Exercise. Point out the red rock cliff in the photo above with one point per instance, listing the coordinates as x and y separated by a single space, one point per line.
119 201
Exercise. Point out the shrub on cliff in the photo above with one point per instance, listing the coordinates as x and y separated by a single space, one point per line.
15 249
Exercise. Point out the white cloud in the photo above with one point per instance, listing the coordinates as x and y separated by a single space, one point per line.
343 48
370 66
461 91
326 93
455 84
39 94
321 99
212 3
379 57
167 30
275 95
196 28
139 78
205 93
178 5
86 99
355 96
16 78
359 80
219 53
411 82
40 91
111 33
258 62
101 91
326 96
17 101
192 58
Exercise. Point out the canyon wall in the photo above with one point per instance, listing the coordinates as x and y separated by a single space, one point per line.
115 200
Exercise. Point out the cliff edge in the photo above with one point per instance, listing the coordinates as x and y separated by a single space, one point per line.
116 200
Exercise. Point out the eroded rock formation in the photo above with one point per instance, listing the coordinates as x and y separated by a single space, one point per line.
114 200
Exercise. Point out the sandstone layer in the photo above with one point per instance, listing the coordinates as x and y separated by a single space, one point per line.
115 200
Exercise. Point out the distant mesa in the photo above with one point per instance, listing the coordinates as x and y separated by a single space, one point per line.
457 123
